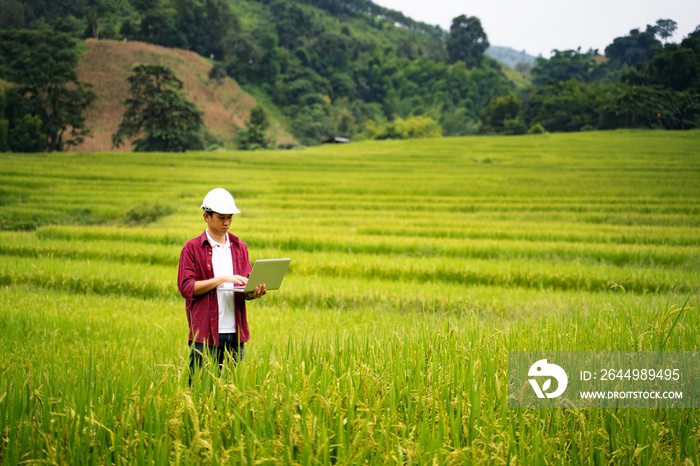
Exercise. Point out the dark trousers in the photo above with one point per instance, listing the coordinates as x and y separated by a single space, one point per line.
228 344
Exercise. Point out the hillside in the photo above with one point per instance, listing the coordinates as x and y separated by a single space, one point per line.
321 68
342 68
106 64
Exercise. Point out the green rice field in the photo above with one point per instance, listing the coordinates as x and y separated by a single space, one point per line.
416 267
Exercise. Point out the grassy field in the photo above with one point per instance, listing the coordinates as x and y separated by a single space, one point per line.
416 267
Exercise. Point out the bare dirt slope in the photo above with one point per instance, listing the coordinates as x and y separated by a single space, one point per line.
107 64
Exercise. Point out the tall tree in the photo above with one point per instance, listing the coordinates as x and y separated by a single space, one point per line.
158 114
498 112
42 66
565 105
466 41
11 15
665 28
677 68
695 34
95 12
565 65
158 26
219 21
254 136
642 107
637 47
289 20
20 131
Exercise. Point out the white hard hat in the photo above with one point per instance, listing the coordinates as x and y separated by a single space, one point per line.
220 201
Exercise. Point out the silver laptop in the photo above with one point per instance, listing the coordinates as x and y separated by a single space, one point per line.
268 271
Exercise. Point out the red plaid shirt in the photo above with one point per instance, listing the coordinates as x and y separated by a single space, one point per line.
203 310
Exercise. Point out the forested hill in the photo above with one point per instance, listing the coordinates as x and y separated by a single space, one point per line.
348 67
325 68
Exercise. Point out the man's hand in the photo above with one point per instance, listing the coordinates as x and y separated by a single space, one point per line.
235 279
205 286
259 292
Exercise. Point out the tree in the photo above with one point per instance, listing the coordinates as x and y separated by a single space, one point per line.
157 112
217 73
677 68
642 107
665 28
289 19
637 47
415 127
313 124
695 34
203 24
42 66
20 131
663 93
158 26
565 106
345 124
565 65
244 57
95 11
11 14
143 6
466 41
500 110
219 21
253 137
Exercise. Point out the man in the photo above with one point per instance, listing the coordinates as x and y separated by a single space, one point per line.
216 317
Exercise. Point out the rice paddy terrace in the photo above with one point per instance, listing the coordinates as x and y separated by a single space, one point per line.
416 267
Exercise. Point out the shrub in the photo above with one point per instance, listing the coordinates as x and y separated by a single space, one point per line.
536 129
514 126
254 135
83 216
145 214
414 127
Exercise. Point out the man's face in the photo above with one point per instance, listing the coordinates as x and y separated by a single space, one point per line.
218 223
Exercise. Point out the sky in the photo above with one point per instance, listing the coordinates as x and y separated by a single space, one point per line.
539 26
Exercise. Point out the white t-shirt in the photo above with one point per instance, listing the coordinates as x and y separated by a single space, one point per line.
222 263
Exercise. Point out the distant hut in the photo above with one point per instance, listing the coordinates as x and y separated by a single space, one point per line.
336 140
